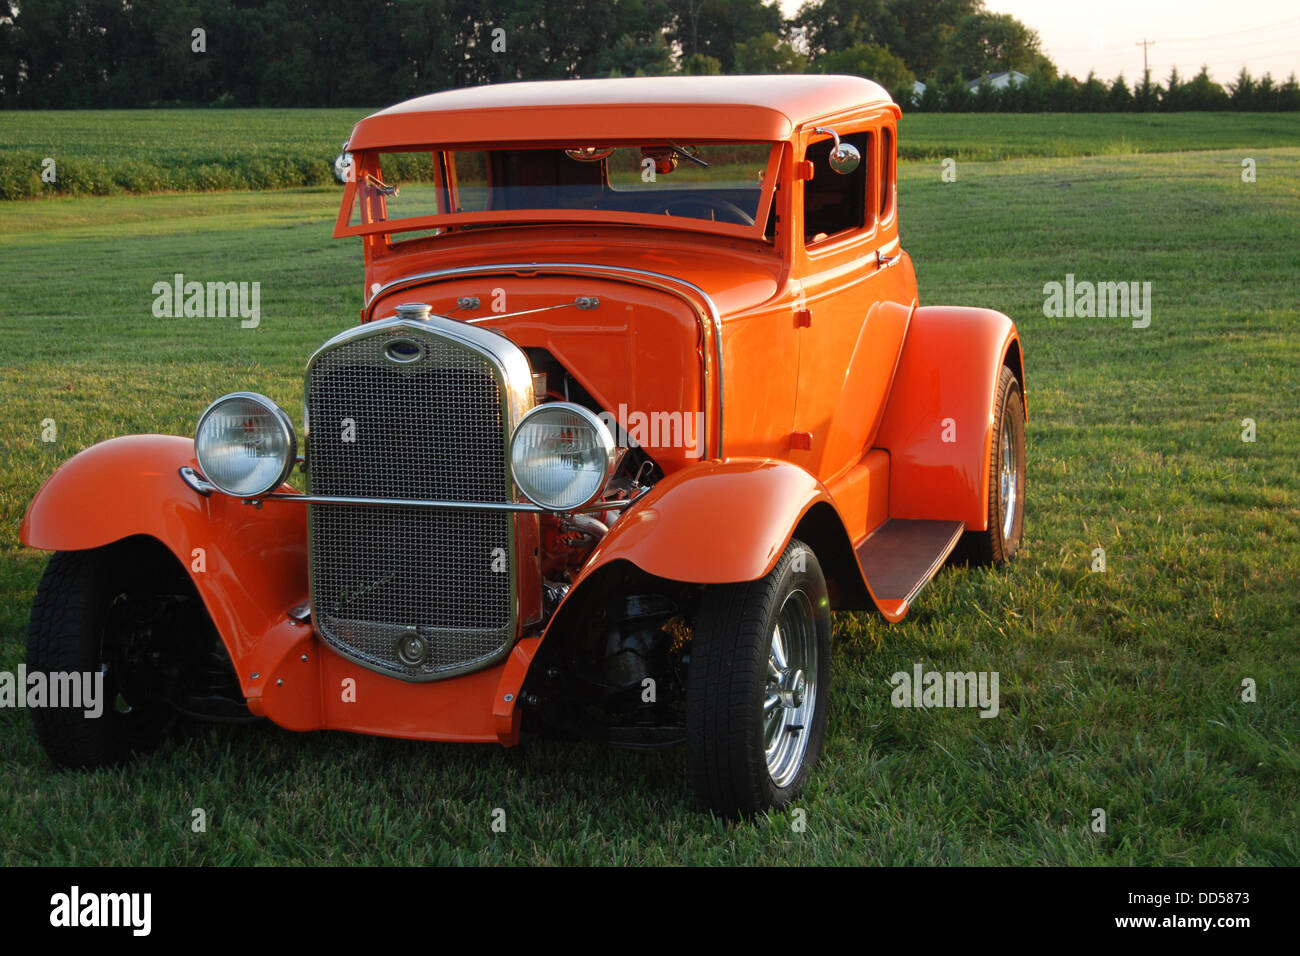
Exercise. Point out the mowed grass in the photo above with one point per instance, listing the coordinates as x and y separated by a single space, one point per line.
1119 690
110 152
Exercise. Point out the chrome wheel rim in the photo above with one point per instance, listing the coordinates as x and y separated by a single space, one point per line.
1008 478
790 694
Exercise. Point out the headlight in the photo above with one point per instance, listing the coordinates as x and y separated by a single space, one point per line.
245 444
562 456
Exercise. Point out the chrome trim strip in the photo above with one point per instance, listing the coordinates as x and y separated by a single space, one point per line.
522 507
584 268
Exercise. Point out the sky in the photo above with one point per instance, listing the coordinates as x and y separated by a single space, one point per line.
1264 35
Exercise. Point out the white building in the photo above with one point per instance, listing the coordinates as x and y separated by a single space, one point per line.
999 81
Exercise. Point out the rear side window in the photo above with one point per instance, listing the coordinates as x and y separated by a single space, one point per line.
886 170
833 203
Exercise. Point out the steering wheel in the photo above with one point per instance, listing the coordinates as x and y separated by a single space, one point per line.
713 204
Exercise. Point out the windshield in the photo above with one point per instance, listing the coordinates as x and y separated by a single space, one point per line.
717 187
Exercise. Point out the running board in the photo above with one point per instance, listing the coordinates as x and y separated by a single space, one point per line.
902 555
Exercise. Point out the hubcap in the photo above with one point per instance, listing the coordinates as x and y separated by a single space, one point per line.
791 692
1007 478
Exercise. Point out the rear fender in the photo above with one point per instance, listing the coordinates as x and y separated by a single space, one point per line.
938 423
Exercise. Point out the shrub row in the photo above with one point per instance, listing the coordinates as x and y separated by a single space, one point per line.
21 175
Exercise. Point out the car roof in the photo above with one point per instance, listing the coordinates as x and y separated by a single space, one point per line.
746 108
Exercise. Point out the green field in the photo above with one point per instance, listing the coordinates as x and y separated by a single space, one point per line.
140 151
1119 690
145 151
1016 136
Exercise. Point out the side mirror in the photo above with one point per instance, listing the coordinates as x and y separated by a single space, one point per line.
343 170
844 157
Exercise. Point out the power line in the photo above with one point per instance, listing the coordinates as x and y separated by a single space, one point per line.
1273 37
1219 36
1274 56
1278 37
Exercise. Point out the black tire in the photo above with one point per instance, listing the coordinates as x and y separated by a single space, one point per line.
999 543
727 724
76 627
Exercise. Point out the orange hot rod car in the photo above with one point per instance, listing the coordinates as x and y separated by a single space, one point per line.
640 393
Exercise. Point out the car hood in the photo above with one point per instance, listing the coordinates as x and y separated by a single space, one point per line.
736 275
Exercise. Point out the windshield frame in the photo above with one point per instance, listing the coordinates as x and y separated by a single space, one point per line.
366 165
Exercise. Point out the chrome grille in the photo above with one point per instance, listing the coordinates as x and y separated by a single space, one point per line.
429 428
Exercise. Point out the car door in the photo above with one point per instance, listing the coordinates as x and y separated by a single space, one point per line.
855 301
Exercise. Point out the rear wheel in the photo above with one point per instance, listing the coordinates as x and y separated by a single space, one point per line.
758 686
104 615
1006 501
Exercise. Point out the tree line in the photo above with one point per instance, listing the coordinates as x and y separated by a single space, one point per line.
1064 94
150 53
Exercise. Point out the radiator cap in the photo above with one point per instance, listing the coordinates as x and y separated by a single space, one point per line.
414 310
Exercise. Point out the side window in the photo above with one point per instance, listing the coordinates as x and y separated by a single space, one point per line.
835 203
886 170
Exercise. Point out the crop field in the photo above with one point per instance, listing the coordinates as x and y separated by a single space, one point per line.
1121 690
110 152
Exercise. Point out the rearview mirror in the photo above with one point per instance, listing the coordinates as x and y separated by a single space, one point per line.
343 170
844 157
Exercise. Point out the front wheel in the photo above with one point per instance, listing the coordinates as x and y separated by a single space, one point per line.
758 686
98 621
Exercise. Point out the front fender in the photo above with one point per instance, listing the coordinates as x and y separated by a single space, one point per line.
249 565
716 522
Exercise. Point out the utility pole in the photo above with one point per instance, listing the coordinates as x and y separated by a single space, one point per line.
1144 44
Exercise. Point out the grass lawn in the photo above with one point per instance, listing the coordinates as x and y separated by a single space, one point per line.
1119 690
